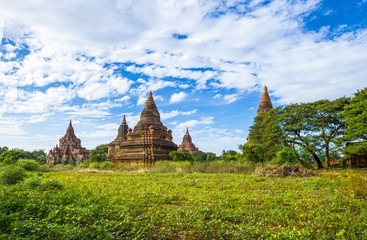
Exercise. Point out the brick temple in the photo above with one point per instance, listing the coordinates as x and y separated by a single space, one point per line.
265 102
187 143
69 149
150 141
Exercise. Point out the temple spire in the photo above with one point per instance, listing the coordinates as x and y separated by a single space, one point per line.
150 112
265 102
70 130
187 130
124 120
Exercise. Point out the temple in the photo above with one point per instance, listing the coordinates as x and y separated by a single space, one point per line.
187 143
265 102
150 141
69 149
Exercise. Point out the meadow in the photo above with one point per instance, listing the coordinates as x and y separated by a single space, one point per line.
94 204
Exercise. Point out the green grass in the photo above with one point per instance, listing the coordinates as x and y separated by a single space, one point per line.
117 205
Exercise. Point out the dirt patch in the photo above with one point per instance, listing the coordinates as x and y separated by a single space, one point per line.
296 170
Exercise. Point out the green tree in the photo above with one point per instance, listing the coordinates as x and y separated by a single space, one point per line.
3 149
12 156
99 154
328 122
266 133
253 152
39 155
182 155
294 120
356 118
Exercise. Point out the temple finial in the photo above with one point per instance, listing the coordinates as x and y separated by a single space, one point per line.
265 102
124 120
187 130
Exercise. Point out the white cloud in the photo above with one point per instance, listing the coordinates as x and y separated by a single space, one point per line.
178 97
175 113
217 96
231 98
11 127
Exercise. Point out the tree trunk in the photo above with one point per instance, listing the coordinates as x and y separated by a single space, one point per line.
317 159
327 156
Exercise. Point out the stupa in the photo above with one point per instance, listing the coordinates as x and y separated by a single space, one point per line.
265 102
150 141
187 143
69 149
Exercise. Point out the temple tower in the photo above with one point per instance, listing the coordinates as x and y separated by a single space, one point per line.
265 102
150 141
114 146
69 149
187 143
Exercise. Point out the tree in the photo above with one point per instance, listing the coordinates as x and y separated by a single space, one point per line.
253 152
328 122
266 133
3 149
12 156
99 154
294 120
182 155
356 119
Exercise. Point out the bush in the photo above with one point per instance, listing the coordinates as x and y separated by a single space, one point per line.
5 222
28 164
33 182
12 174
94 165
254 152
106 166
52 184
287 156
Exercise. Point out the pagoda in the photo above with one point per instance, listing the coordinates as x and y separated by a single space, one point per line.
265 102
150 141
187 143
69 149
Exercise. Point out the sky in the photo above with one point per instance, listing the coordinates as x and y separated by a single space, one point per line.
206 62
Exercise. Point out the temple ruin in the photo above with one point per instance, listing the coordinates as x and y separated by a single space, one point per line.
187 143
69 149
150 141
265 102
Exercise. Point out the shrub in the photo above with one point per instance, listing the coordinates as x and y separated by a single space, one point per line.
287 156
33 182
94 165
254 152
106 166
12 174
5 222
28 164
52 184
45 168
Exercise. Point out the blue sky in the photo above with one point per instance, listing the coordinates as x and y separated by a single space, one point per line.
205 61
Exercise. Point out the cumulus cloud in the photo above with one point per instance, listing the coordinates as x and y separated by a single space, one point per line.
175 113
178 97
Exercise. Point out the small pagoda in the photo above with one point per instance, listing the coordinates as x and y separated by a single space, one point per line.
265 102
187 143
150 141
69 149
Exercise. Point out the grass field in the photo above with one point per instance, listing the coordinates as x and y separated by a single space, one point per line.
116 205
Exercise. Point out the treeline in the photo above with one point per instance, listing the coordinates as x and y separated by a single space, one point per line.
312 132
11 156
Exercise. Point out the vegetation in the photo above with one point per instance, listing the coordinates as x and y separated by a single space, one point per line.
81 205
318 130
356 119
12 174
12 156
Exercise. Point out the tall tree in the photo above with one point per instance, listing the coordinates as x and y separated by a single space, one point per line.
356 118
328 122
294 120
267 134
